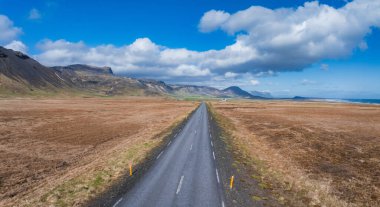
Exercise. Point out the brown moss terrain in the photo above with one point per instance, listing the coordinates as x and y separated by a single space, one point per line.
316 154
61 152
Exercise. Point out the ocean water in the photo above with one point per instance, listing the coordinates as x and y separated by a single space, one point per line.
366 101
336 100
361 101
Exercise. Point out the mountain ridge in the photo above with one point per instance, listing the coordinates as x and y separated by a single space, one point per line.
21 74
237 91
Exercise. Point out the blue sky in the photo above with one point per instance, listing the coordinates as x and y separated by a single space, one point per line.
210 42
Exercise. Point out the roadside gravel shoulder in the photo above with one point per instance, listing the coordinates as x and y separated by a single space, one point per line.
246 190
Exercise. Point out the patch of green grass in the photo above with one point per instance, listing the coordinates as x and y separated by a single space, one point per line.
263 185
97 181
256 198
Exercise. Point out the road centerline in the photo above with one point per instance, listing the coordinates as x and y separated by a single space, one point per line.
217 175
188 157
179 185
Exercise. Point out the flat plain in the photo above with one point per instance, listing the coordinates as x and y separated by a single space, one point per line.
62 151
309 153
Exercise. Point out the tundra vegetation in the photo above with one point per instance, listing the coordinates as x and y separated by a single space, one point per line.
307 153
62 152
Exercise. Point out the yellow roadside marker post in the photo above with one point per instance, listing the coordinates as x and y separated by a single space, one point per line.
130 169
232 182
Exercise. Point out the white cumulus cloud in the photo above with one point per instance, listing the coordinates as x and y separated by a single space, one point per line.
255 82
8 32
141 58
17 46
212 19
291 39
267 41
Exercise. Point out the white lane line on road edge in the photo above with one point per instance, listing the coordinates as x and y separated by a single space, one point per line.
179 185
191 147
195 131
210 135
213 154
217 175
159 155
222 203
117 202
169 143
212 144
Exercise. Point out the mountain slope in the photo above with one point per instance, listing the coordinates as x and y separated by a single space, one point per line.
236 92
210 92
101 80
191 90
21 73
80 68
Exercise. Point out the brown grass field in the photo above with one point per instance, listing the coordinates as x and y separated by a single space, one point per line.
62 151
309 153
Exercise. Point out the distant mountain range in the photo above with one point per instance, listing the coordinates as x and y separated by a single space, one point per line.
237 92
20 74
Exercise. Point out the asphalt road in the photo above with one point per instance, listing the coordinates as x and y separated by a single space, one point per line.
184 173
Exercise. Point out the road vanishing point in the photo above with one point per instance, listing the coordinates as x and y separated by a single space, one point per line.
184 173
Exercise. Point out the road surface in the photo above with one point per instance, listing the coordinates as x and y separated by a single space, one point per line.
184 173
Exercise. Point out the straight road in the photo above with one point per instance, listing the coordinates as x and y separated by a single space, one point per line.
184 173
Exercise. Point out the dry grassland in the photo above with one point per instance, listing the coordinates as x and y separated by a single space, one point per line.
308 153
62 151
